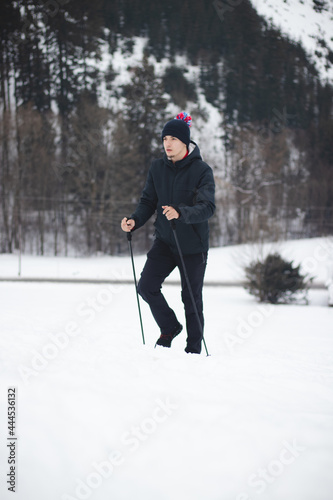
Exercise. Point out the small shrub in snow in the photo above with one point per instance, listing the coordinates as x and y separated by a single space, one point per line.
275 280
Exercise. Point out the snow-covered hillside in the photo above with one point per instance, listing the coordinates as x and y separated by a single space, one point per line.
303 21
207 121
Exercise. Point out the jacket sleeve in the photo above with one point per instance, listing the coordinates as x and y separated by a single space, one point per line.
147 204
204 201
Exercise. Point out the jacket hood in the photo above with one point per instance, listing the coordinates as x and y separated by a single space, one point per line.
193 154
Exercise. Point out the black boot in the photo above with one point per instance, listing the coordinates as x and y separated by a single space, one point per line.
166 339
190 350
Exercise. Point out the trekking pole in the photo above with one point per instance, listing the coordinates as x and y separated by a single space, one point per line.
173 225
129 238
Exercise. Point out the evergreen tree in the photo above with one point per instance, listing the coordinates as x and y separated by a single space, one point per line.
144 113
88 177
180 89
264 84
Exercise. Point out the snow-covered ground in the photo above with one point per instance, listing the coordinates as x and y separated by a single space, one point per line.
225 264
99 415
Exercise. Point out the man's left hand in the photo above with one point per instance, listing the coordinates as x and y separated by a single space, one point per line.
170 212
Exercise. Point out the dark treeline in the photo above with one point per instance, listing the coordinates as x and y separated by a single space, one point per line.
72 166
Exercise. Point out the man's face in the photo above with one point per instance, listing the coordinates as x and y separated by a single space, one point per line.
174 148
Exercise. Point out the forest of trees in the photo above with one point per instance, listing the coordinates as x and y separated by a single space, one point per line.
73 166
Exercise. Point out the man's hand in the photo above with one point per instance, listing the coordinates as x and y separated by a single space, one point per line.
127 224
170 212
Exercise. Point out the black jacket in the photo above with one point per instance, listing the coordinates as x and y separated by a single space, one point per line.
188 185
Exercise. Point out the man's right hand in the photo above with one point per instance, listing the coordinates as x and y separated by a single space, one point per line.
127 225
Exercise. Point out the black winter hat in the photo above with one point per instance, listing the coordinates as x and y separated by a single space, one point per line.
179 127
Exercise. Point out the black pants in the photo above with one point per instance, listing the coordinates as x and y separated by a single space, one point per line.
160 263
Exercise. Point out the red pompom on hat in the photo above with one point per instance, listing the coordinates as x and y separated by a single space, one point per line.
179 127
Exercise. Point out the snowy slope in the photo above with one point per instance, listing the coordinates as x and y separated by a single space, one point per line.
300 21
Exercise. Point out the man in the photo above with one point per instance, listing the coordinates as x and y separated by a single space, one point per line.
181 188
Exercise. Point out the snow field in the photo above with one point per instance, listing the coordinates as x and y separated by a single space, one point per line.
101 416
225 264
